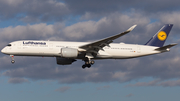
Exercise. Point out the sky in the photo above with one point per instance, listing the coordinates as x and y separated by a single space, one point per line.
155 77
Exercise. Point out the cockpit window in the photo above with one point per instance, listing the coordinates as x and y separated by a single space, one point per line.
9 45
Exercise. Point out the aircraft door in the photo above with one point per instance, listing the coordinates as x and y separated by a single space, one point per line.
138 49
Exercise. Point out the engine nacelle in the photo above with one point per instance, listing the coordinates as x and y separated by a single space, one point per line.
64 61
69 52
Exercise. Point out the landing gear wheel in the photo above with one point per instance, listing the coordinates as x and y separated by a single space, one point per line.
88 65
83 66
87 62
92 62
12 61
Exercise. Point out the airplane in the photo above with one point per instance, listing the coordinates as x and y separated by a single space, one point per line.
68 52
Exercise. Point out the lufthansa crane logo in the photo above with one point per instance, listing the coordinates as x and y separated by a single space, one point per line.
162 35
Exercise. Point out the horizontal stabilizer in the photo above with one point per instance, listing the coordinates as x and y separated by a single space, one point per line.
166 47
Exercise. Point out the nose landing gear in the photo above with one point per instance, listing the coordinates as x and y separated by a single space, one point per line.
12 57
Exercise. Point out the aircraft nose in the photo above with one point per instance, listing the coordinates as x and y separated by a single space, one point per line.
3 50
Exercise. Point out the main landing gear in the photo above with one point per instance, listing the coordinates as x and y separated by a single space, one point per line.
88 64
12 59
88 61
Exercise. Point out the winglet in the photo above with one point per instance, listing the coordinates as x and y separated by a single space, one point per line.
131 28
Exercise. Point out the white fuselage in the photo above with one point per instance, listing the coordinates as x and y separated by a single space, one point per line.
53 49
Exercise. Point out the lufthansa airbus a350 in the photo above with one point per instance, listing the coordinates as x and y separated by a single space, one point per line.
67 52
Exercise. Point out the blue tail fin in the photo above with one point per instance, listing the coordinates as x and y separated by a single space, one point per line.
160 37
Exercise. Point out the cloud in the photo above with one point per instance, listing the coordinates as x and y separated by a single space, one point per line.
33 11
171 17
63 89
170 83
61 10
104 27
157 82
40 31
29 31
104 87
129 95
17 80
107 6
151 83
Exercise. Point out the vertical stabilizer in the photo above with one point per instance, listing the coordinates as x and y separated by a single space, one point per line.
160 37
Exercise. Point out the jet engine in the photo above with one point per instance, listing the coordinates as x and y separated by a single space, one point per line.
64 61
69 53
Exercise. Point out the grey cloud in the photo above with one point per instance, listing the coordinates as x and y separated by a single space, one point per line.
157 82
33 10
129 95
61 10
171 17
82 6
106 26
151 83
63 89
104 87
170 83
17 80
40 31
107 6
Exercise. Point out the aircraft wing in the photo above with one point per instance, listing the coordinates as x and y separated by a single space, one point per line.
94 47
